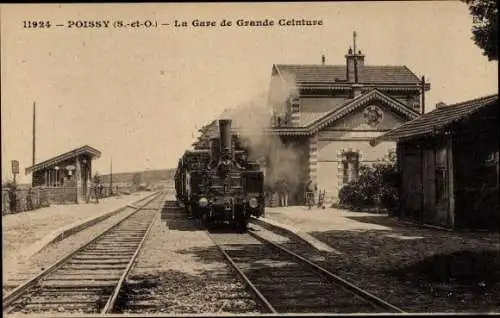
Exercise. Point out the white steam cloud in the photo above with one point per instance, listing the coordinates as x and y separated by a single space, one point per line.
254 118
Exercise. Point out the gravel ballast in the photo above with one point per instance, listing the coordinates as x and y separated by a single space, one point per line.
28 268
22 231
416 269
181 271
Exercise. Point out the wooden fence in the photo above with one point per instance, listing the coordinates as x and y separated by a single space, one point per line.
27 199
22 200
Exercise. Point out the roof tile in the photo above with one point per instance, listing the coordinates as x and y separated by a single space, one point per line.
438 118
337 73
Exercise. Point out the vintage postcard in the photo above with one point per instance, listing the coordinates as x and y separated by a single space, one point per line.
305 158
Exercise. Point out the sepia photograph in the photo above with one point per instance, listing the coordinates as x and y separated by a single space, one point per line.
250 159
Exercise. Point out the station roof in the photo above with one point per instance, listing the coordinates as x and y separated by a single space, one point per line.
371 74
437 119
92 152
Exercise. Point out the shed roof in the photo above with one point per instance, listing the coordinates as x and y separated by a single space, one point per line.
384 74
437 119
67 155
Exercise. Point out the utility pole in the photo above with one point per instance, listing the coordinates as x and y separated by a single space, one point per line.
34 132
422 83
355 58
111 176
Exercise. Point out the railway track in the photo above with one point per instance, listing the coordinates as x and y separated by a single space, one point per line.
88 279
286 282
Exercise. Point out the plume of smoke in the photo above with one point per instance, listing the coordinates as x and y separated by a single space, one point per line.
282 88
253 121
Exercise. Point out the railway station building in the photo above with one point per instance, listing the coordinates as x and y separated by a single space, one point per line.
67 177
449 164
333 111
325 116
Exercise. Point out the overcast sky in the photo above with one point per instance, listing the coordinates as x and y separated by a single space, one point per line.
139 95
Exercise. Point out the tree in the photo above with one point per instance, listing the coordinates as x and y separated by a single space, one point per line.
485 26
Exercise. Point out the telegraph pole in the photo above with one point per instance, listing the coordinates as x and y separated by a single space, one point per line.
422 84
34 132
111 176
355 58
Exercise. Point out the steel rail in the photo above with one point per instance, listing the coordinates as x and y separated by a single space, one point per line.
247 280
112 300
374 300
19 290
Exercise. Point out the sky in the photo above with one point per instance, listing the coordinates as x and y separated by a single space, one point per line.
139 94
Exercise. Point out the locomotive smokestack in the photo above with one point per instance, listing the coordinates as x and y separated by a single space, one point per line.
225 135
214 149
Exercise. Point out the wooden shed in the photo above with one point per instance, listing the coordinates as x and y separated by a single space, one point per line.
449 165
66 176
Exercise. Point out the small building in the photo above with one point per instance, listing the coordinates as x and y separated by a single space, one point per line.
449 164
325 115
67 176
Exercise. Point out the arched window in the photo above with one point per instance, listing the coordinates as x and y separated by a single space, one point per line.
350 164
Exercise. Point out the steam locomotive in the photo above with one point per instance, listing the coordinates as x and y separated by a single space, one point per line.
219 184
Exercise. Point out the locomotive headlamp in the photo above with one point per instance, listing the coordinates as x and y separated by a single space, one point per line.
203 202
253 203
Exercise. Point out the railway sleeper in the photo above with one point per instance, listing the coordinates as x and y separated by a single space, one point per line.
299 294
262 266
297 282
58 308
141 308
131 241
91 272
68 301
49 290
99 261
113 254
122 240
88 278
74 267
112 249
327 300
124 234
320 309
129 251
101 257
284 285
300 275
78 283
153 303
112 245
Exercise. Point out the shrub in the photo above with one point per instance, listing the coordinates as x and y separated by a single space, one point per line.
376 187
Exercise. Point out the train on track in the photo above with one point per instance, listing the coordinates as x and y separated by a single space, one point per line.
219 184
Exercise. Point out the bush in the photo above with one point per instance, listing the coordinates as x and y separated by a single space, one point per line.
376 187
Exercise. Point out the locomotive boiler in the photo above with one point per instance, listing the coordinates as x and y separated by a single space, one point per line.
219 184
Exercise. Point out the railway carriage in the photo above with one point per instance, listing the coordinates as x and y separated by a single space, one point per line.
220 184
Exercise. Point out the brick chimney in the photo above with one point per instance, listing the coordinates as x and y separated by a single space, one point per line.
355 66
355 62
